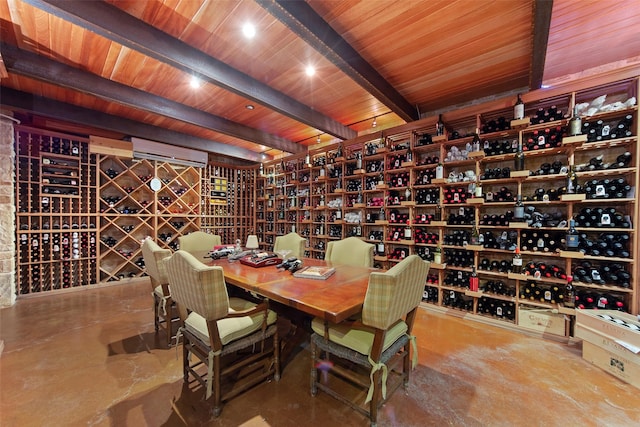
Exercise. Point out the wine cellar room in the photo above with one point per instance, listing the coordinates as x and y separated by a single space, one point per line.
506 156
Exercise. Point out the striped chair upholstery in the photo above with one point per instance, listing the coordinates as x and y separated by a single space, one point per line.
216 326
350 251
293 242
164 312
198 242
383 333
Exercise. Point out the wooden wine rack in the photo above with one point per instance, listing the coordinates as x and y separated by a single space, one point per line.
56 196
362 176
228 196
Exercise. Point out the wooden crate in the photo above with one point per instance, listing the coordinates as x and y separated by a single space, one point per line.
623 368
617 347
611 328
541 320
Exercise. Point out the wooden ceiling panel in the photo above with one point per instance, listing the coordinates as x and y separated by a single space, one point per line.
591 34
435 53
410 41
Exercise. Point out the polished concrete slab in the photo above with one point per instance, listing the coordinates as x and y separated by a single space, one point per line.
92 358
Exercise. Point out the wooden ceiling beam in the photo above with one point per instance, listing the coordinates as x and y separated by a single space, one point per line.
300 17
541 24
53 109
120 27
38 67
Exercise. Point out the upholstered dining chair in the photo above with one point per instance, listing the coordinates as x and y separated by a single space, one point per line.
350 251
293 242
224 334
376 348
164 313
198 242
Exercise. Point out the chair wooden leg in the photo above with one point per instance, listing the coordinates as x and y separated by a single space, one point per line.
185 360
276 356
377 396
156 319
406 365
217 406
314 370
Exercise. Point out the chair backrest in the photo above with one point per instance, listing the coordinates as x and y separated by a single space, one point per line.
198 242
350 251
197 287
293 242
154 257
394 293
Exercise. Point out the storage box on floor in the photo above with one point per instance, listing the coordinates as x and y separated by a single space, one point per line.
541 320
611 341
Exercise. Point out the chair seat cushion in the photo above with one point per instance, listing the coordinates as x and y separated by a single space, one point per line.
232 328
358 339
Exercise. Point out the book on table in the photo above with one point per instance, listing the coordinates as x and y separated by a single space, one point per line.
315 272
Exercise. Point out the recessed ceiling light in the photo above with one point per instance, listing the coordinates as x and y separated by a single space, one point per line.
249 30
249 107
195 82
310 70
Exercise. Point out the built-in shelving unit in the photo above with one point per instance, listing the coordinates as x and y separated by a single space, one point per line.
385 188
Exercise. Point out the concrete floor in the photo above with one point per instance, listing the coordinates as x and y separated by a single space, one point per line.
92 358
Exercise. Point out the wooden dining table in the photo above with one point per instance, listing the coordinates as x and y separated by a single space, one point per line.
334 299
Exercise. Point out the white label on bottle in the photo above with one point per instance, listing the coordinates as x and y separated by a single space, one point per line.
606 130
518 111
499 311
517 261
439 172
460 275
605 219
547 295
541 243
600 190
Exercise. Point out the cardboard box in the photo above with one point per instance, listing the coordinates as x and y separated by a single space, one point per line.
621 367
613 346
541 320
599 320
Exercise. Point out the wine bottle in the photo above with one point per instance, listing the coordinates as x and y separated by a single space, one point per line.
380 248
575 124
516 263
473 280
519 158
572 239
437 255
518 211
569 296
439 126
572 181
407 231
518 109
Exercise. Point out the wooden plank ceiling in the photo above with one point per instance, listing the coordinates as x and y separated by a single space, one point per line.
123 68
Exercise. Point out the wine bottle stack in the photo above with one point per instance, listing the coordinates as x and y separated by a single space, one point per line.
496 125
545 138
430 294
541 241
601 217
458 258
496 219
542 269
589 299
461 216
426 196
455 195
602 130
495 173
607 188
425 176
501 266
499 287
499 147
604 273
605 245
546 115
503 310
458 300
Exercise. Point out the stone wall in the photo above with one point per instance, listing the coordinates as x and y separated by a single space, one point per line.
7 214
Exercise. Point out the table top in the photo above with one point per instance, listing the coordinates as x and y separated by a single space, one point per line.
335 299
